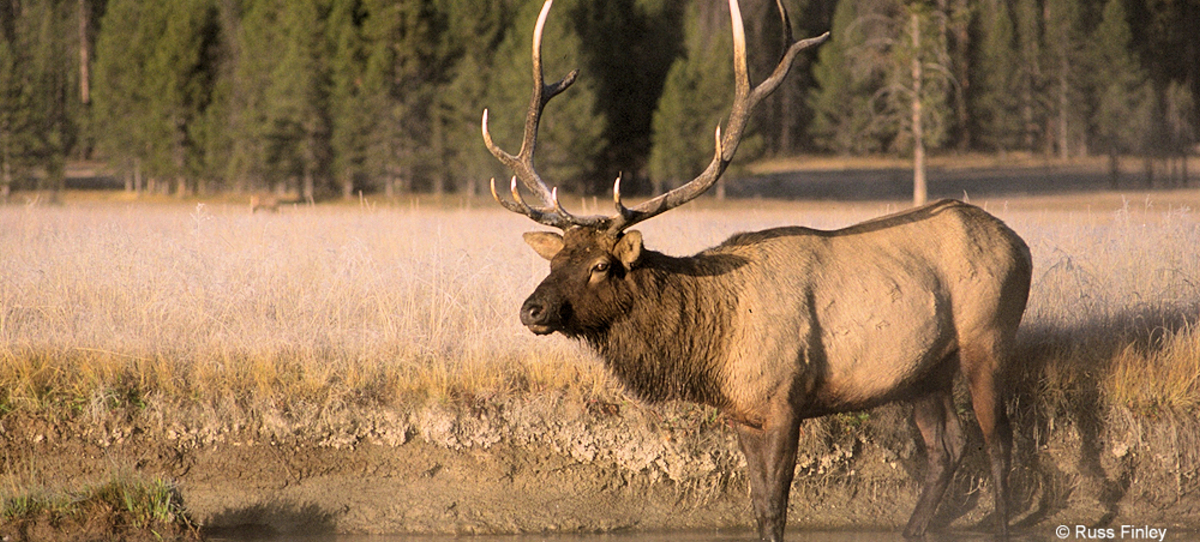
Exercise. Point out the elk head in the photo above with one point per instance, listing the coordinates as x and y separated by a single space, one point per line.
593 258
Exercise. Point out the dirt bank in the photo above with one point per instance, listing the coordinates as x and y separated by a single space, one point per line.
545 462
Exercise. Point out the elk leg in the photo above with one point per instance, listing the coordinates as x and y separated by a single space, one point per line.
770 453
980 369
935 418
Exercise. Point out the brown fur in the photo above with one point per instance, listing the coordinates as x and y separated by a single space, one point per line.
264 203
780 325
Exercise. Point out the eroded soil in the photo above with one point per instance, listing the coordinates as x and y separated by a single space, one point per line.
549 464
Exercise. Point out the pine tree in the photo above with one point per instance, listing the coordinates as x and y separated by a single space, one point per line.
1179 112
475 30
350 117
297 124
1123 94
900 70
118 96
571 135
154 73
179 76
1063 47
695 100
995 92
919 89
11 115
841 100
256 38
39 91
628 48
1029 77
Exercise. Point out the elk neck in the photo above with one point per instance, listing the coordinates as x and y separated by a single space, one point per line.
669 343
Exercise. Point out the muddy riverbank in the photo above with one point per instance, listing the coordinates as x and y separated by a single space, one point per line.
545 462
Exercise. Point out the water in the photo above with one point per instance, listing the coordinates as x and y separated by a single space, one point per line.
1040 533
703 536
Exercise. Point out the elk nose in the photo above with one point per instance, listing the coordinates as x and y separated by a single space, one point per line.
532 312
537 317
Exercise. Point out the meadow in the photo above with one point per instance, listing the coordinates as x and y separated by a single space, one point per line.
110 306
171 326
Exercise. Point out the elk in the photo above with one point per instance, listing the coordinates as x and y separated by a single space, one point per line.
265 203
271 202
777 326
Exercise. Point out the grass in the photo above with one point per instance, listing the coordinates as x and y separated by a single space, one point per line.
148 506
116 306
120 307
1114 307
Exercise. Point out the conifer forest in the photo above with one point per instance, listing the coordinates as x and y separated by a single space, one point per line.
327 98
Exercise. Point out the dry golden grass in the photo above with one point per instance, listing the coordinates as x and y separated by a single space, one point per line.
104 304
1114 307
118 305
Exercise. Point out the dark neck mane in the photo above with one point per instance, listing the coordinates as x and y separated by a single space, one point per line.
672 338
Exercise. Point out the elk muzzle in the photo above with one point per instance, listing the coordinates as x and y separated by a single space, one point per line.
542 313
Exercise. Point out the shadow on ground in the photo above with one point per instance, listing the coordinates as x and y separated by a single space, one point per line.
271 522
1068 454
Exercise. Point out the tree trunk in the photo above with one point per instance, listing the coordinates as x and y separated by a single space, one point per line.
1027 32
962 72
439 153
308 187
1063 104
6 175
1114 168
56 174
920 192
347 186
85 92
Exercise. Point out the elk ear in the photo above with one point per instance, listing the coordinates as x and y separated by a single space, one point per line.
629 248
545 243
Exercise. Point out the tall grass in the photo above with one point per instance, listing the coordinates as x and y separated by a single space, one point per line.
103 305
119 306
1114 306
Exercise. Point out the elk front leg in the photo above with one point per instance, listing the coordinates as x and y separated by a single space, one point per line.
771 463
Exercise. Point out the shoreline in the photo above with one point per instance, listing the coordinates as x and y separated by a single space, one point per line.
542 463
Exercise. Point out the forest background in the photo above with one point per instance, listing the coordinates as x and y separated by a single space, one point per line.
327 98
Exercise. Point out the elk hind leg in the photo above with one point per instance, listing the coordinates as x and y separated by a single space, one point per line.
940 430
770 453
981 367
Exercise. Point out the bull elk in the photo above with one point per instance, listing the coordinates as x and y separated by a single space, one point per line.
777 326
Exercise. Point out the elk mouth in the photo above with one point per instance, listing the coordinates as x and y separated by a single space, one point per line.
540 329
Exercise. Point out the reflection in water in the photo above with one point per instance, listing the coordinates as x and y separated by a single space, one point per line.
1034 535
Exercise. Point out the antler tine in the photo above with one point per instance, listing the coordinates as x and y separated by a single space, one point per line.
522 163
554 218
787 24
518 207
744 102
571 219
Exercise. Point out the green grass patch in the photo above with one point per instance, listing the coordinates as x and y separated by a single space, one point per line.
125 506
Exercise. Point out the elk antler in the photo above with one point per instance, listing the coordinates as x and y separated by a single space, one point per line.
745 100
